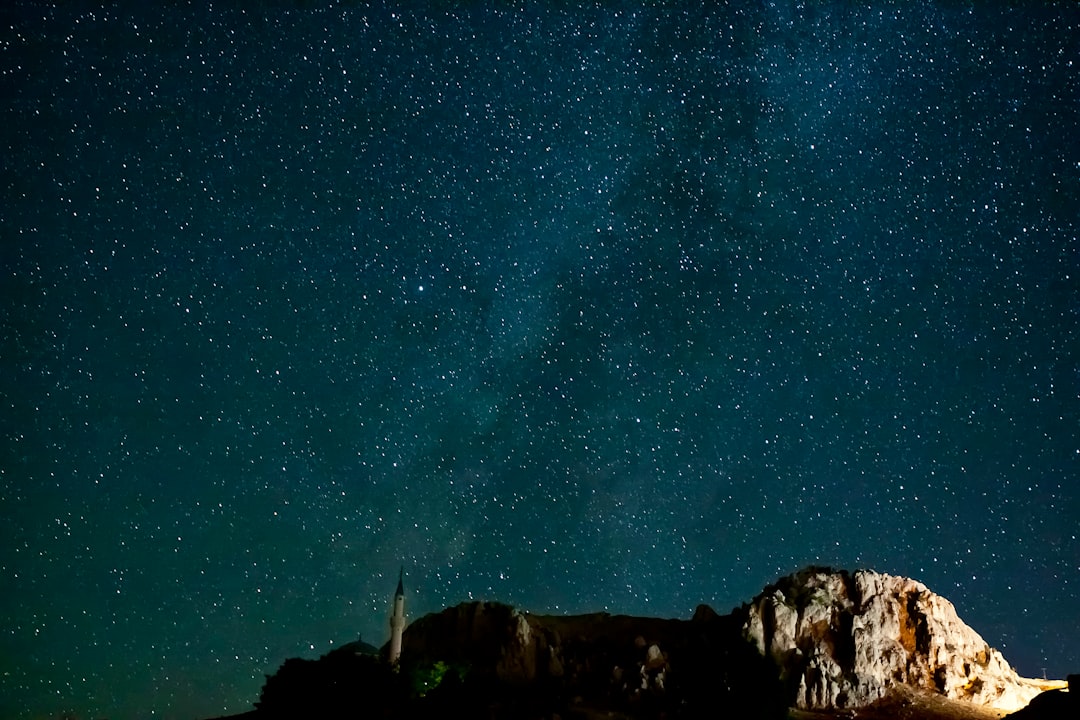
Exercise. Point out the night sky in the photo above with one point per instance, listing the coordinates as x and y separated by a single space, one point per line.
623 307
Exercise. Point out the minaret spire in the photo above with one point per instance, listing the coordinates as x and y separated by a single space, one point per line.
397 618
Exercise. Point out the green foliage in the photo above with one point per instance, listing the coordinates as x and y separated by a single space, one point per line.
427 678
422 679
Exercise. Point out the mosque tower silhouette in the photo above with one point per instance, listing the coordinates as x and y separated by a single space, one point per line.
397 619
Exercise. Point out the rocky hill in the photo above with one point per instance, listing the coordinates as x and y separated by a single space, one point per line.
820 641
845 640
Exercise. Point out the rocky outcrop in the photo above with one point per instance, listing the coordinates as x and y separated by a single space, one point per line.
519 648
500 640
598 662
844 640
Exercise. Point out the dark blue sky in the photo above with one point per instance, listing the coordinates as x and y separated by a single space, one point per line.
623 307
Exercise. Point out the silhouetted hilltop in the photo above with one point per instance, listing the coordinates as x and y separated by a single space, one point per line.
633 665
492 660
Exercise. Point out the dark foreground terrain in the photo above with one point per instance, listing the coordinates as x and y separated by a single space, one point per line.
460 700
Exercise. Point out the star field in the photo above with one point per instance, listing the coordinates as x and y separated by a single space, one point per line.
623 306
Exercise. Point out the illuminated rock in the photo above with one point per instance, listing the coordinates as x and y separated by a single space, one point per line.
844 640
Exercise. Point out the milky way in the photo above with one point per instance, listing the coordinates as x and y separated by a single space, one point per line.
626 308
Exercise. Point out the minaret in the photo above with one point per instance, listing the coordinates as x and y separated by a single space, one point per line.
397 619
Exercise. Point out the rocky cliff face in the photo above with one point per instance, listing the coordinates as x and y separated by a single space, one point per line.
843 640
599 663
505 642
520 648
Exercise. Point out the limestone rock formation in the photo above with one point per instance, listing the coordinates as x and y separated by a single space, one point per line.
845 640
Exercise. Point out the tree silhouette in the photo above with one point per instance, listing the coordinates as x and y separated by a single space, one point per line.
338 685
